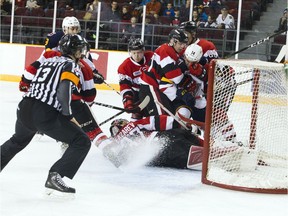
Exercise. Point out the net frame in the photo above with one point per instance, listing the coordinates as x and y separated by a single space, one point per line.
249 152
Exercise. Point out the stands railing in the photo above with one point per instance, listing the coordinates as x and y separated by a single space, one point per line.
33 30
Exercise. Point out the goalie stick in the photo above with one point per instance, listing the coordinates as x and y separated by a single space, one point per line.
139 107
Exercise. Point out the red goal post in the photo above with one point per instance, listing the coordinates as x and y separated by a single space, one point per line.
246 99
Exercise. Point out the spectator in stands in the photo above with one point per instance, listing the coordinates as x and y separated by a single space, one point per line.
283 22
176 20
125 14
6 7
91 14
225 20
92 8
195 17
169 11
214 4
210 23
111 14
202 15
153 7
30 4
18 3
185 11
132 30
148 32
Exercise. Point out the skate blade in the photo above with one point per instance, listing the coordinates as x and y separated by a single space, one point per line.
54 194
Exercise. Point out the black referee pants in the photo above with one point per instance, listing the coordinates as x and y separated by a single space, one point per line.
33 116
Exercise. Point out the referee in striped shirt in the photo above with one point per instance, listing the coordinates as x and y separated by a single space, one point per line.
46 108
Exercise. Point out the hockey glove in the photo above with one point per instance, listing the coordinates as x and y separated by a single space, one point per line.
203 60
185 82
97 77
128 102
23 85
185 96
198 70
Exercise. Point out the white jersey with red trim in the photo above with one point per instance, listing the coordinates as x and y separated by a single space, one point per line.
209 49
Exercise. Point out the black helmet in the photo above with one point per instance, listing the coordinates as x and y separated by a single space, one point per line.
179 35
135 44
69 44
188 26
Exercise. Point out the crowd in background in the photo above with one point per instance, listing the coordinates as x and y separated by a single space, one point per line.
171 12
122 19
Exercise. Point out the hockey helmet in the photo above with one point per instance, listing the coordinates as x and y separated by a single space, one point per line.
189 26
193 53
70 44
179 35
69 22
135 44
117 125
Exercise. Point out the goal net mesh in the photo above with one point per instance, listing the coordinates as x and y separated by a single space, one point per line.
247 141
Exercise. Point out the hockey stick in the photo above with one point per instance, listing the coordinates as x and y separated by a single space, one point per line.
111 87
109 106
112 117
255 44
191 121
139 107
182 123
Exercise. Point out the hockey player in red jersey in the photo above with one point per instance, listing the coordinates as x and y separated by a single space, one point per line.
80 101
130 71
164 72
208 48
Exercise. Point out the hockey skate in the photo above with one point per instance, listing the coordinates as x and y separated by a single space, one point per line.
55 186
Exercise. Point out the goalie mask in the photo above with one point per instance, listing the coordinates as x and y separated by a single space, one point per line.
117 125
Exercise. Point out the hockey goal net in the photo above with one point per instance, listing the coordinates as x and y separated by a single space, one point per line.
246 130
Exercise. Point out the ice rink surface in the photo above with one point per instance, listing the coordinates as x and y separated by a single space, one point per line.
103 190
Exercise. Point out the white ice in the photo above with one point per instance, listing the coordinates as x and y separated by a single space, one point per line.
103 190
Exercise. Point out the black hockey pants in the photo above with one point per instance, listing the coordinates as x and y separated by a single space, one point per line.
33 116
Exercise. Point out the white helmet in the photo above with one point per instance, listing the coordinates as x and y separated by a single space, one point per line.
193 53
70 21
